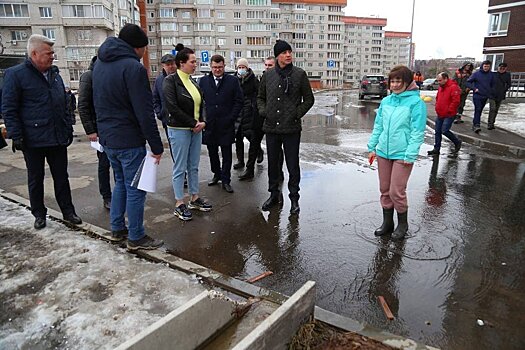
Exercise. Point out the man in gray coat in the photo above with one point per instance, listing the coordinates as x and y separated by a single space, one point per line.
284 98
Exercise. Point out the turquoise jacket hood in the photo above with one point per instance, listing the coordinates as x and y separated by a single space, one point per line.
399 127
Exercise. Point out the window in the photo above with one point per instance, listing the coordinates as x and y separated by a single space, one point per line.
237 15
13 10
152 41
257 2
74 74
45 12
220 2
204 26
84 34
80 53
203 13
18 35
238 41
168 26
153 55
237 28
496 59
90 11
154 68
186 14
258 41
166 13
255 14
220 15
204 2
237 2
221 29
168 40
221 41
186 28
499 23
186 42
50 33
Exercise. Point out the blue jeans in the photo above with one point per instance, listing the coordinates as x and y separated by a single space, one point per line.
186 150
125 163
479 104
443 126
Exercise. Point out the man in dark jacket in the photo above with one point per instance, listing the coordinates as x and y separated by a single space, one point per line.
461 77
481 83
125 121
224 101
284 98
168 67
71 102
502 82
38 122
447 102
86 111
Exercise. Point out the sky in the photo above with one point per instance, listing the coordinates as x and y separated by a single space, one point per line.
442 28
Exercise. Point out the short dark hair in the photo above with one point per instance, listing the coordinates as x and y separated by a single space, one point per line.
217 58
183 56
486 62
270 58
502 64
402 72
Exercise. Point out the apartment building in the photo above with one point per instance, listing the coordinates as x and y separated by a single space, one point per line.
363 47
505 40
397 49
77 26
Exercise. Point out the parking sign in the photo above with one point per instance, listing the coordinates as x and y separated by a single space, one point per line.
205 57
331 63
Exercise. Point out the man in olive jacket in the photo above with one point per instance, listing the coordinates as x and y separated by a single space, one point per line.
284 98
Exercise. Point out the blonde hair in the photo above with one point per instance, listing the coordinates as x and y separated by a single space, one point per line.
35 41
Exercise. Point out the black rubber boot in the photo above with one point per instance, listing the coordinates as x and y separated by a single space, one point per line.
294 209
274 199
402 226
388 223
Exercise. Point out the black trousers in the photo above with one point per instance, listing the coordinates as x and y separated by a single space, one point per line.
223 172
104 184
274 144
57 159
254 149
239 144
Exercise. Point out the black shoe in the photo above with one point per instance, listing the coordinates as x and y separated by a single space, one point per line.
402 226
200 204
457 146
227 187
388 223
73 219
491 127
246 175
434 152
183 213
476 129
107 204
40 223
214 181
120 235
260 157
270 202
294 209
238 165
145 242
458 121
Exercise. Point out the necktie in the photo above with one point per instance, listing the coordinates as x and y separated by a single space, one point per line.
217 81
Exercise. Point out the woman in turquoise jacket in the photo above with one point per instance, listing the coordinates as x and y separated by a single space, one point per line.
397 136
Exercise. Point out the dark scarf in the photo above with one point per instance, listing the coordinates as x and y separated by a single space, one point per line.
286 76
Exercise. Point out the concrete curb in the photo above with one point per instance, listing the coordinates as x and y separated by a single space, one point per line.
233 285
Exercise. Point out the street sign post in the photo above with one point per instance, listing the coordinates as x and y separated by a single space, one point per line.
205 57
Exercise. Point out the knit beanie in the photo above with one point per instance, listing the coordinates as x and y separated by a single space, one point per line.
280 47
133 35
242 62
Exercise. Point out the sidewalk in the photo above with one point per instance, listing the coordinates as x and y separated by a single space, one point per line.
498 140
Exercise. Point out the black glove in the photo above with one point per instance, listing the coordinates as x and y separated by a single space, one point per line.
18 144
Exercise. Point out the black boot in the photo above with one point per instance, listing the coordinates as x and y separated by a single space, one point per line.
247 174
402 226
270 202
388 223
294 209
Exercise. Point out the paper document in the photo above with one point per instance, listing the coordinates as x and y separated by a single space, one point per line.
97 146
146 177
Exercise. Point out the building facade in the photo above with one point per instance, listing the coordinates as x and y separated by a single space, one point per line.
505 40
397 49
78 27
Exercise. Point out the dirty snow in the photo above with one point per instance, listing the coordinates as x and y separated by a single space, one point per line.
61 289
511 116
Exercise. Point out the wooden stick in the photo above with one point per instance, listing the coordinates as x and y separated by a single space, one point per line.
385 307
260 277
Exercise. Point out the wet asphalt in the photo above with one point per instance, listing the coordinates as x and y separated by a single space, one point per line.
462 262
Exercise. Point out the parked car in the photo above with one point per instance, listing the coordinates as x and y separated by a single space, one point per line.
373 85
430 84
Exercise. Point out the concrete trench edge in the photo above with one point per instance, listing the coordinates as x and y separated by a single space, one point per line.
234 285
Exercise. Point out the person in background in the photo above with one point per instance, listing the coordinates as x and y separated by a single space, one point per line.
481 83
88 117
447 101
502 83
418 78
184 104
285 96
71 104
399 131
249 116
126 121
461 77
224 101
38 121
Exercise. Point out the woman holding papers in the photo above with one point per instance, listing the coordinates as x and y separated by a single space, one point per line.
185 106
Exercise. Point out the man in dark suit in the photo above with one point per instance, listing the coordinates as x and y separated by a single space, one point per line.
224 101
39 123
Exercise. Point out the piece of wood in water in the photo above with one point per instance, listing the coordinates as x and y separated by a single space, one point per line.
385 307
260 277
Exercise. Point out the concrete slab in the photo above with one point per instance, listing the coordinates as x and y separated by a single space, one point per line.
187 327
276 331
